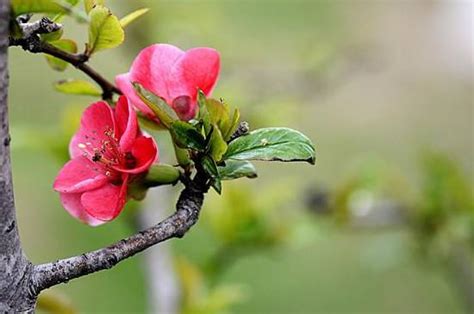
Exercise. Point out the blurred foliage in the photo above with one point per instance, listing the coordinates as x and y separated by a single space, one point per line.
444 214
295 59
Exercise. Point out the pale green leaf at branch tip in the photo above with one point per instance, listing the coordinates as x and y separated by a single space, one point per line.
272 144
89 4
235 169
67 45
131 17
20 7
160 108
105 31
77 87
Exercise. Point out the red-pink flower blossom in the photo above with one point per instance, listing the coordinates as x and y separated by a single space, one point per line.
107 153
172 74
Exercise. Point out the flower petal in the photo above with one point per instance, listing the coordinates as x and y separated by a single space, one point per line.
200 69
153 66
79 175
96 120
105 203
72 204
144 152
126 124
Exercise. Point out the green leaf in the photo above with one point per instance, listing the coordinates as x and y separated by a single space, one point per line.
89 4
129 18
186 136
210 167
160 108
77 87
235 169
182 156
272 144
105 30
36 6
217 145
67 45
145 122
50 37
234 123
218 112
203 112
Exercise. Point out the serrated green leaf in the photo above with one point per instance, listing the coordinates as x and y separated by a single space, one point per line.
67 45
210 167
186 136
160 108
129 18
36 6
203 112
77 87
105 30
272 144
217 145
89 4
235 169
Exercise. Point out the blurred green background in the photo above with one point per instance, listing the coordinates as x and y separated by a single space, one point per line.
376 85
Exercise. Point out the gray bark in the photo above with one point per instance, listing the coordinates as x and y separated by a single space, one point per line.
14 267
20 281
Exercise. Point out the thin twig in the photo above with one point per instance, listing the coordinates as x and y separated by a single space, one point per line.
31 41
186 215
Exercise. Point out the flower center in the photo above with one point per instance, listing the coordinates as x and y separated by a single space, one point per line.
107 154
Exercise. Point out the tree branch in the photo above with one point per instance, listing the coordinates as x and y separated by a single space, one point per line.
31 41
186 215
14 266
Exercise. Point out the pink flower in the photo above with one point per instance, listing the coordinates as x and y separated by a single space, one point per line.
172 74
107 153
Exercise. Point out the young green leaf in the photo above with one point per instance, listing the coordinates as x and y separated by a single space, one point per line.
182 156
234 123
129 18
51 37
63 44
203 112
186 136
89 4
235 169
160 108
210 167
105 30
77 87
36 6
217 145
272 144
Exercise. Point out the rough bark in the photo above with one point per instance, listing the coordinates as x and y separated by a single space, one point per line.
187 213
14 267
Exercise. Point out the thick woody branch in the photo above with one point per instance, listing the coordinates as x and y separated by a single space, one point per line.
186 215
31 41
